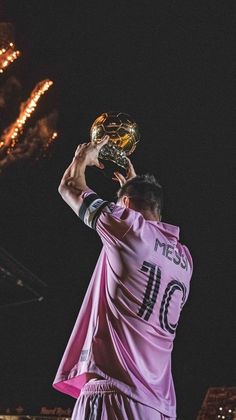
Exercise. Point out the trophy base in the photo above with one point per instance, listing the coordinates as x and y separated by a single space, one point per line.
114 154
110 167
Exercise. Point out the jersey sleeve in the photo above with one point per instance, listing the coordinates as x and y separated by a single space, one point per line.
110 221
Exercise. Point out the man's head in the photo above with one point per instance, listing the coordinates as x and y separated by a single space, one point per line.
144 194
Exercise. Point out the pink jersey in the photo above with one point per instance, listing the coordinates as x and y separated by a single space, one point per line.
127 322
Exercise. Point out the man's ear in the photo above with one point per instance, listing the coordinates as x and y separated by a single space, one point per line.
125 201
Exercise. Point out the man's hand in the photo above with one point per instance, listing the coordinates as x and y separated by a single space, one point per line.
88 153
123 179
73 182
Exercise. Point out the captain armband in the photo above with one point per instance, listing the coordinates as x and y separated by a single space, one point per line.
91 209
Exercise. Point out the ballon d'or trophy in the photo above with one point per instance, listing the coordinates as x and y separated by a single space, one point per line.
123 135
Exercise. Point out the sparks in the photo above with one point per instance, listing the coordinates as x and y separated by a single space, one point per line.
36 143
7 56
48 143
11 134
54 136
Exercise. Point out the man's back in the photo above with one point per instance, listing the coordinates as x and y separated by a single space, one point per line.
126 326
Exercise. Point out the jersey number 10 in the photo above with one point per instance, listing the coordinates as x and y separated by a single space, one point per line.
151 293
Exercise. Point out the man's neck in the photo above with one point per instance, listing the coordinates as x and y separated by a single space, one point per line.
148 215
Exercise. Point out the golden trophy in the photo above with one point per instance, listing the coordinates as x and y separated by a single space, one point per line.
123 135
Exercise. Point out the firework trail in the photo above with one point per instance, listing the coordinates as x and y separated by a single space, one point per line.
17 144
36 144
8 53
11 135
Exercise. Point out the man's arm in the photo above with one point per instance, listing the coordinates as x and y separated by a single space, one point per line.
111 221
73 183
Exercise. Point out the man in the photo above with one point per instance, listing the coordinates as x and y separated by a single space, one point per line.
117 363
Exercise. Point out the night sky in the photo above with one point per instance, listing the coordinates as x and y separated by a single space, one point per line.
171 65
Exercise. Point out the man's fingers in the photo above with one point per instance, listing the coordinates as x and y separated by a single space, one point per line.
105 139
131 171
100 165
120 178
123 179
83 146
80 147
101 142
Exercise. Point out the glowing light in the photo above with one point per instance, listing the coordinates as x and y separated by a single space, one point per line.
35 144
11 134
7 56
18 141
54 136
50 140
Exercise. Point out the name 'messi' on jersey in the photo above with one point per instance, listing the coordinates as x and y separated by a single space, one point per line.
171 253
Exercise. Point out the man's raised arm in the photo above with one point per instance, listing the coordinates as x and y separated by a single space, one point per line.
73 183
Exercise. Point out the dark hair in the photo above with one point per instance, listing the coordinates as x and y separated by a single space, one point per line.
145 192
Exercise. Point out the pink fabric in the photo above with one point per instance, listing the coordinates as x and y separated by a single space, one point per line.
101 401
118 334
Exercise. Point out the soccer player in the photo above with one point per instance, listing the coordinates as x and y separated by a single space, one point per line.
117 363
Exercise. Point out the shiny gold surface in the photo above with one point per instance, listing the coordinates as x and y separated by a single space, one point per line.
121 128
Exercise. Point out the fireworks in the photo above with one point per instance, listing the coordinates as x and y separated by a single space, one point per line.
35 144
12 133
18 145
17 142
8 52
7 56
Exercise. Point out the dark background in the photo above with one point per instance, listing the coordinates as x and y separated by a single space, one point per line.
170 65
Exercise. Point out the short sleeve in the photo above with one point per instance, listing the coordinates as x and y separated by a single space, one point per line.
111 221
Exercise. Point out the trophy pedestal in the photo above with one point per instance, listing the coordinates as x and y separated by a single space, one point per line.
111 167
113 153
